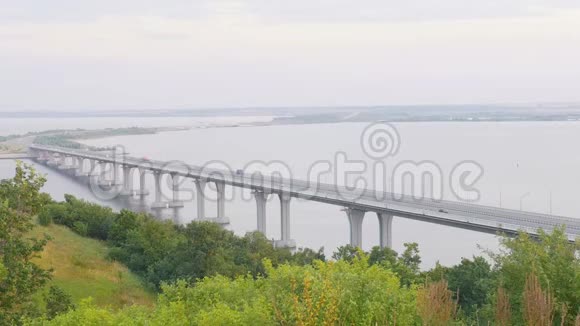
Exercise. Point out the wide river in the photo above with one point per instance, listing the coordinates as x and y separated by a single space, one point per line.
526 165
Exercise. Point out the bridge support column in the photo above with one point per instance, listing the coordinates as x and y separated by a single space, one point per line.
93 167
142 192
60 160
104 180
127 182
285 241
386 229
52 159
80 167
115 173
261 198
158 203
221 202
65 166
220 187
199 187
93 173
42 157
102 170
355 219
175 188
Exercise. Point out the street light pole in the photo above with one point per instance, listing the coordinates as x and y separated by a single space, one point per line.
522 199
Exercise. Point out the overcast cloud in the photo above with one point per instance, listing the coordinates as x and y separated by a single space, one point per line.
75 55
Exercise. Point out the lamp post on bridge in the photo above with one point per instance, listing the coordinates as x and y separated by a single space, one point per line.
522 199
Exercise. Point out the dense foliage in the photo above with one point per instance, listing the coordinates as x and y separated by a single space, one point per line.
358 291
57 302
20 199
161 251
553 260
353 293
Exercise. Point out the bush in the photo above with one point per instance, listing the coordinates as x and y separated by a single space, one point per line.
44 219
57 302
125 222
325 293
80 228
56 213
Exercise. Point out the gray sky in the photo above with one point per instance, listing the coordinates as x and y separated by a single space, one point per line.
138 54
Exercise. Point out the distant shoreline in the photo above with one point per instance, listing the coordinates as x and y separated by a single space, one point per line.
285 117
309 115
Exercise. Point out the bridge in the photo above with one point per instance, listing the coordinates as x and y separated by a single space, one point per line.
356 202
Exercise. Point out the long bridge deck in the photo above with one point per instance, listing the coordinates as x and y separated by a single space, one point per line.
455 214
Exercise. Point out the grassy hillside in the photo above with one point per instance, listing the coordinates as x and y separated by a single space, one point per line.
80 268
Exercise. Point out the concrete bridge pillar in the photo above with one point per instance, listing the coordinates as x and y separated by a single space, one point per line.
80 167
285 241
142 190
77 164
199 187
61 162
103 170
175 188
386 229
93 173
355 219
221 199
66 166
158 203
127 182
261 198
220 188
104 179
115 173
52 159
93 167
42 156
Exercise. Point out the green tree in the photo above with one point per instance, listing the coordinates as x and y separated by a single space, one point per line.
53 212
410 257
307 256
552 258
383 256
125 222
474 281
98 219
22 192
57 302
408 263
347 253
20 199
